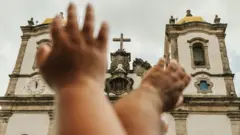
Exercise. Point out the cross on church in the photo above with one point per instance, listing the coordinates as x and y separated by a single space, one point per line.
121 40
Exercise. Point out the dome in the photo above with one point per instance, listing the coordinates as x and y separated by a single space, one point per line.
190 18
50 20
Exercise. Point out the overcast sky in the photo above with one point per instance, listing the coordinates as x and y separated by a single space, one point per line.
141 20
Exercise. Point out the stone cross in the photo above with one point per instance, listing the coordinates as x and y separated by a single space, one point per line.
121 40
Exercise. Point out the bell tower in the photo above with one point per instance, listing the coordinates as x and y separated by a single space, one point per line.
210 98
200 47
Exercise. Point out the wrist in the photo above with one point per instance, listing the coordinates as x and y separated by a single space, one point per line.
153 96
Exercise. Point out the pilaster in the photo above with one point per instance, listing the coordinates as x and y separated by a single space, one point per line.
180 121
18 64
223 51
235 123
4 117
51 123
174 47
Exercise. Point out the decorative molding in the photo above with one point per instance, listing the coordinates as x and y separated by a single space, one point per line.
197 39
195 26
23 75
51 115
28 100
212 75
124 87
5 115
140 66
234 116
44 41
210 85
172 36
180 115
120 57
204 100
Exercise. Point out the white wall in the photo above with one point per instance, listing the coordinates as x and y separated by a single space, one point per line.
213 52
219 86
21 87
30 53
28 61
208 125
26 123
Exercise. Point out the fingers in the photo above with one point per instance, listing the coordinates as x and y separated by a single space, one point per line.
42 54
180 101
58 34
173 66
161 63
72 24
103 37
88 27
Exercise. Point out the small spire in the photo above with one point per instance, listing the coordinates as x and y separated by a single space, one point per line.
217 19
61 15
31 22
172 20
189 13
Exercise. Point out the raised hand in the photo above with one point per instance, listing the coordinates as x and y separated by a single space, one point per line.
76 56
168 82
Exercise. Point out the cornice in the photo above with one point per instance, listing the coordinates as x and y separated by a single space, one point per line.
218 29
23 75
27 100
212 75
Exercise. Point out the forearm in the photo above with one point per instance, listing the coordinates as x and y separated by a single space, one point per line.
79 114
141 109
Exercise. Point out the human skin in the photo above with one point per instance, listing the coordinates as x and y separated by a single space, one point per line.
160 91
75 68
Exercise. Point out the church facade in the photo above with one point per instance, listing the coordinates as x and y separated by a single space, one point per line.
211 106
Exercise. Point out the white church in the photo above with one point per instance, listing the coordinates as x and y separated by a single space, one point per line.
211 104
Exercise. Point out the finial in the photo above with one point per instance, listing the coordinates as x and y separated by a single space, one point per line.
189 13
31 22
61 15
217 19
172 20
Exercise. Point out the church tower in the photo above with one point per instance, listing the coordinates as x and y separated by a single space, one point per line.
210 98
27 107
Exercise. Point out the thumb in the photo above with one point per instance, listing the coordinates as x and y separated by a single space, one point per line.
180 101
42 54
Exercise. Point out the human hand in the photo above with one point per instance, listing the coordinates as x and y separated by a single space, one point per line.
76 57
168 83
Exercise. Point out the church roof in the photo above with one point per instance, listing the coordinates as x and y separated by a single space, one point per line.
190 18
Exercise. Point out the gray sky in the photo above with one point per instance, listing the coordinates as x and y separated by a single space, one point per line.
143 21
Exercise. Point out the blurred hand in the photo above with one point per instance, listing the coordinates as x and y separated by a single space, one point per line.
76 57
168 83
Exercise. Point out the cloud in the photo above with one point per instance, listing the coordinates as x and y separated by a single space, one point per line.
142 21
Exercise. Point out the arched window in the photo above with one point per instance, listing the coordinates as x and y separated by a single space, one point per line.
198 54
39 43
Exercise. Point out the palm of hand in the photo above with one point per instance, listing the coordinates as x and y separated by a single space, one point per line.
77 55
